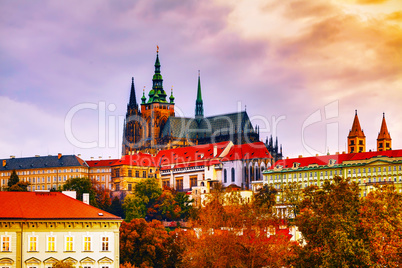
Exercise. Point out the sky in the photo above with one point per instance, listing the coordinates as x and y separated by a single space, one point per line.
300 68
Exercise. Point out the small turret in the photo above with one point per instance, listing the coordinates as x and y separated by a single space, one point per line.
356 138
171 98
384 141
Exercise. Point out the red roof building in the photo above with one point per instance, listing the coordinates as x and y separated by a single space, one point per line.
38 229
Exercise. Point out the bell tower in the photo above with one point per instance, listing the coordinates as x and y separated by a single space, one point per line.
156 110
356 138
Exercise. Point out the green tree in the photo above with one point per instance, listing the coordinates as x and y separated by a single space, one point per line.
14 179
140 204
81 186
15 185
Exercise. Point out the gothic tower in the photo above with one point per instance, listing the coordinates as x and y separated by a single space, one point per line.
356 138
199 109
156 110
384 138
132 133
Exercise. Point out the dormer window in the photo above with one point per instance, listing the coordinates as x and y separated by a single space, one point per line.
296 165
331 162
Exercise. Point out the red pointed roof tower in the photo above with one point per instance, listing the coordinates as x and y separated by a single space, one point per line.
356 138
384 138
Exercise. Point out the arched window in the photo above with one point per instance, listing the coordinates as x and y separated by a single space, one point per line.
225 176
257 173
233 174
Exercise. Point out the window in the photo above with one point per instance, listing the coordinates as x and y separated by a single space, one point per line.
144 174
166 183
33 242
105 243
130 173
233 174
225 176
179 184
129 187
51 243
87 243
5 243
193 181
69 246
137 173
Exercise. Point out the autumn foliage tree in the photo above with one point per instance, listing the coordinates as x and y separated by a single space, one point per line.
143 243
230 232
149 201
340 229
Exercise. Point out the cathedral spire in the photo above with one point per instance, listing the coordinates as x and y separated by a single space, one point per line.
157 94
133 101
199 108
384 138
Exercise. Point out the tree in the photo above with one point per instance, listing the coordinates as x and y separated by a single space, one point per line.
292 197
230 231
20 186
15 185
329 221
381 220
143 243
102 196
116 208
265 198
81 186
14 179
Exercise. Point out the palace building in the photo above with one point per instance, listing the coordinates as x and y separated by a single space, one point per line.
153 125
367 169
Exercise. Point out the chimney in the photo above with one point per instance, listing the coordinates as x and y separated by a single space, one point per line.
12 156
85 198
37 155
4 163
59 155
215 150
300 156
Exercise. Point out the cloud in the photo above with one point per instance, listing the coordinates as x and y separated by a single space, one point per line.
370 2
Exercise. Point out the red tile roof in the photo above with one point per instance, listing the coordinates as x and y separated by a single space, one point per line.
202 153
47 205
101 163
139 159
340 158
247 151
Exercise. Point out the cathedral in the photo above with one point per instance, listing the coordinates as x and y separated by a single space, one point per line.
153 126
